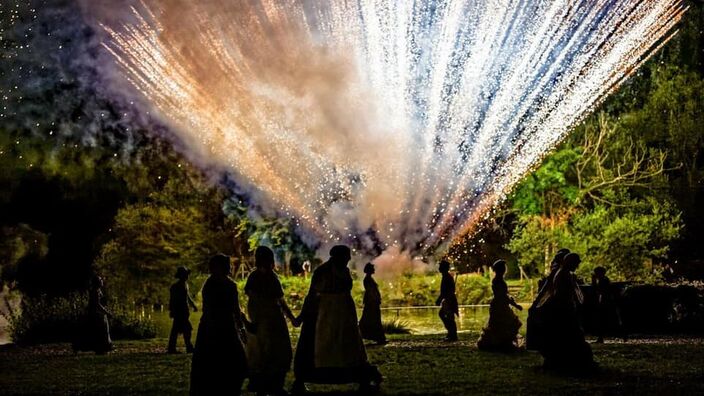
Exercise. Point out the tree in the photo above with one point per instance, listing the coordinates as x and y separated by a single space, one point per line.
275 232
597 195
180 224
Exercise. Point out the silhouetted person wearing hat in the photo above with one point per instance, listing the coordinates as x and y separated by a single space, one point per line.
370 324
448 301
330 347
95 334
179 301
564 348
219 365
269 349
535 329
501 333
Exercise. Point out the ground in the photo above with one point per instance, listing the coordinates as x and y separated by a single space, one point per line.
412 365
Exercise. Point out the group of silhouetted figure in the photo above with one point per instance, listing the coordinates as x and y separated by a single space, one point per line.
230 347
554 328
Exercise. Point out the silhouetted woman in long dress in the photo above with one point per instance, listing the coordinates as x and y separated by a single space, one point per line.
95 334
269 348
219 365
330 347
501 333
535 324
608 316
564 348
370 324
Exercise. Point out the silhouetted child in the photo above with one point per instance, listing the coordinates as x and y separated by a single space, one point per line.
607 314
501 333
448 301
269 349
330 347
95 333
179 301
370 324
219 365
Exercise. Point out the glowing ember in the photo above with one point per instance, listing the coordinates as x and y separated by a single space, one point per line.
381 122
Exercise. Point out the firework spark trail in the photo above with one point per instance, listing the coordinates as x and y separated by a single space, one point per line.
382 122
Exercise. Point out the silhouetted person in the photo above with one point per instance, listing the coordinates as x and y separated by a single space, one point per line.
296 267
501 334
330 347
448 301
370 324
219 365
554 266
179 301
607 315
535 329
95 333
269 349
564 348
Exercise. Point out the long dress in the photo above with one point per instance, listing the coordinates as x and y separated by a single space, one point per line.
269 348
219 365
535 326
607 315
564 347
330 347
501 333
95 333
370 324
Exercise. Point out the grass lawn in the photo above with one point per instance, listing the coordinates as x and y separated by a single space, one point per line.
419 365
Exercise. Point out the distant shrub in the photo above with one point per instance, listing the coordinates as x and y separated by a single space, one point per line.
295 290
658 308
473 289
523 290
127 325
45 319
405 290
650 309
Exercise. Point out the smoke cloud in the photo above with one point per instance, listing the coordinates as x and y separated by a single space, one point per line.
386 125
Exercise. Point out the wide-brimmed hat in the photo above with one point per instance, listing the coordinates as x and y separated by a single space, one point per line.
499 265
182 272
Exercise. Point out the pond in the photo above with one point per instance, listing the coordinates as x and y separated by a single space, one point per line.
420 320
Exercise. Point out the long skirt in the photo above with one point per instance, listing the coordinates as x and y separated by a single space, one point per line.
534 329
219 365
269 347
563 346
330 348
370 324
94 334
501 333
338 342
